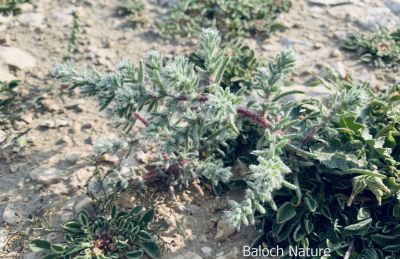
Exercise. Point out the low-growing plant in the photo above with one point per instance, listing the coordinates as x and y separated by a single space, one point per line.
116 234
322 173
241 68
7 95
73 39
133 9
381 48
11 7
233 18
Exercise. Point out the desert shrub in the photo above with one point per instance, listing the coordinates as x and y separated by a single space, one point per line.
322 173
7 95
110 234
11 7
380 49
231 18
132 9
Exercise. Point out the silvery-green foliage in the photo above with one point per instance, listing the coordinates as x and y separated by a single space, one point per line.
263 180
104 146
314 165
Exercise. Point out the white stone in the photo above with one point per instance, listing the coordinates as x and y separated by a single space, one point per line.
167 2
207 251
393 5
340 69
64 18
16 57
330 2
81 177
10 215
224 230
31 19
82 204
3 136
377 18
46 175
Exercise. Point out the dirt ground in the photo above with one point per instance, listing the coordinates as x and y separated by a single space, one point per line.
42 181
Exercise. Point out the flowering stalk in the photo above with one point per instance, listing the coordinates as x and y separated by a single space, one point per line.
254 117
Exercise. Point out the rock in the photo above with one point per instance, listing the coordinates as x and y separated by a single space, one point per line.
224 230
318 45
82 204
393 5
58 189
10 214
65 140
340 35
81 177
188 255
5 19
51 105
61 123
5 75
3 136
31 19
335 53
14 168
340 69
192 209
233 254
27 117
63 18
19 124
109 158
72 159
330 2
52 124
167 2
376 18
207 251
16 57
143 157
47 124
46 175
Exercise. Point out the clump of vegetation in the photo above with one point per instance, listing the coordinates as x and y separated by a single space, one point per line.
322 173
232 18
7 95
73 39
380 49
116 234
241 68
11 7
133 9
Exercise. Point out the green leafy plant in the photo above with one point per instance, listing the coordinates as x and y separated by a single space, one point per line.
241 68
117 234
11 7
133 9
232 18
7 95
322 173
381 48
73 39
